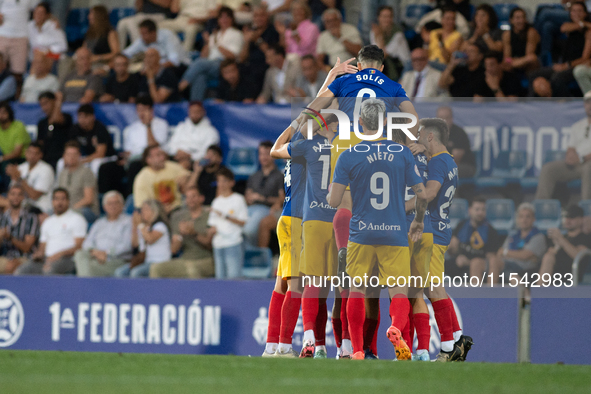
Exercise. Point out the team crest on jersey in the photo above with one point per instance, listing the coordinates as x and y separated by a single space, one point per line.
372 71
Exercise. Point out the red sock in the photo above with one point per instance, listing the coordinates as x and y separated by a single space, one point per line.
423 330
454 318
369 329
374 342
274 317
289 316
443 318
356 313
344 300
320 326
337 328
310 307
409 329
399 307
340 223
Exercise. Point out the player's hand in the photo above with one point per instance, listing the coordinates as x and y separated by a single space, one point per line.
417 148
416 231
344 67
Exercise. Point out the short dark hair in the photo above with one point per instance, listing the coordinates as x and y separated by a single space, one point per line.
144 99
87 109
228 11
45 5
266 144
478 199
494 55
308 57
148 24
438 126
37 144
227 62
371 54
432 25
147 151
448 8
515 10
47 95
60 190
278 49
226 173
72 144
8 108
216 149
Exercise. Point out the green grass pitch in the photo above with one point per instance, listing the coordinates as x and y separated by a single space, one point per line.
71 372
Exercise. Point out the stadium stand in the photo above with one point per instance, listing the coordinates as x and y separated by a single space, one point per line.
548 214
501 214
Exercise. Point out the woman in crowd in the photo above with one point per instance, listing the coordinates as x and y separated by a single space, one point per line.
521 44
485 32
101 39
390 38
150 239
302 36
445 41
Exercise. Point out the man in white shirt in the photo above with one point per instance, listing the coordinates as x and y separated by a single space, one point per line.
165 41
577 163
422 80
44 33
192 137
339 40
35 176
14 15
40 79
62 235
280 77
155 10
192 15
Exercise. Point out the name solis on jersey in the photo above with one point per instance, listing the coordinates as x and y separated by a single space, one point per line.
378 227
370 77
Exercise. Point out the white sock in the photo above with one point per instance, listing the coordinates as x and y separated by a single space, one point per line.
284 348
447 346
309 336
347 346
421 351
270 347
457 335
338 352
322 347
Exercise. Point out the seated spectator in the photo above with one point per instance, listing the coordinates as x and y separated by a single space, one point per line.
39 80
121 86
548 20
302 36
257 38
436 16
339 40
521 44
227 216
164 41
150 236
35 177
233 86
423 79
473 243
262 191
108 243
19 230
191 16
82 86
311 79
485 32
445 41
387 35
155 10
191 137
465 77
268 224
96 144
45 34
101 39
577 163
500 83
565 247
458 144
159 82
523 249
14 138
160 180
8 83
53 130
204 173
61 236
576 50
280 78
224 43
191 237
80 183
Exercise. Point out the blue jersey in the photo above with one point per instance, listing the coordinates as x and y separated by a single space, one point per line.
316 155
378 178
367 83
421 162
444 170
294 184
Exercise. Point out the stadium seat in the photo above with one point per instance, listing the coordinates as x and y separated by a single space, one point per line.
586 205
500 214
414 12
458 211
509 166
554 155
503 11
243 162
258 263
548 214
129 207
77 24
117 14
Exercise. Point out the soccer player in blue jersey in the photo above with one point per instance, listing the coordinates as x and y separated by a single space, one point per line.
378 172
319 255
441 187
